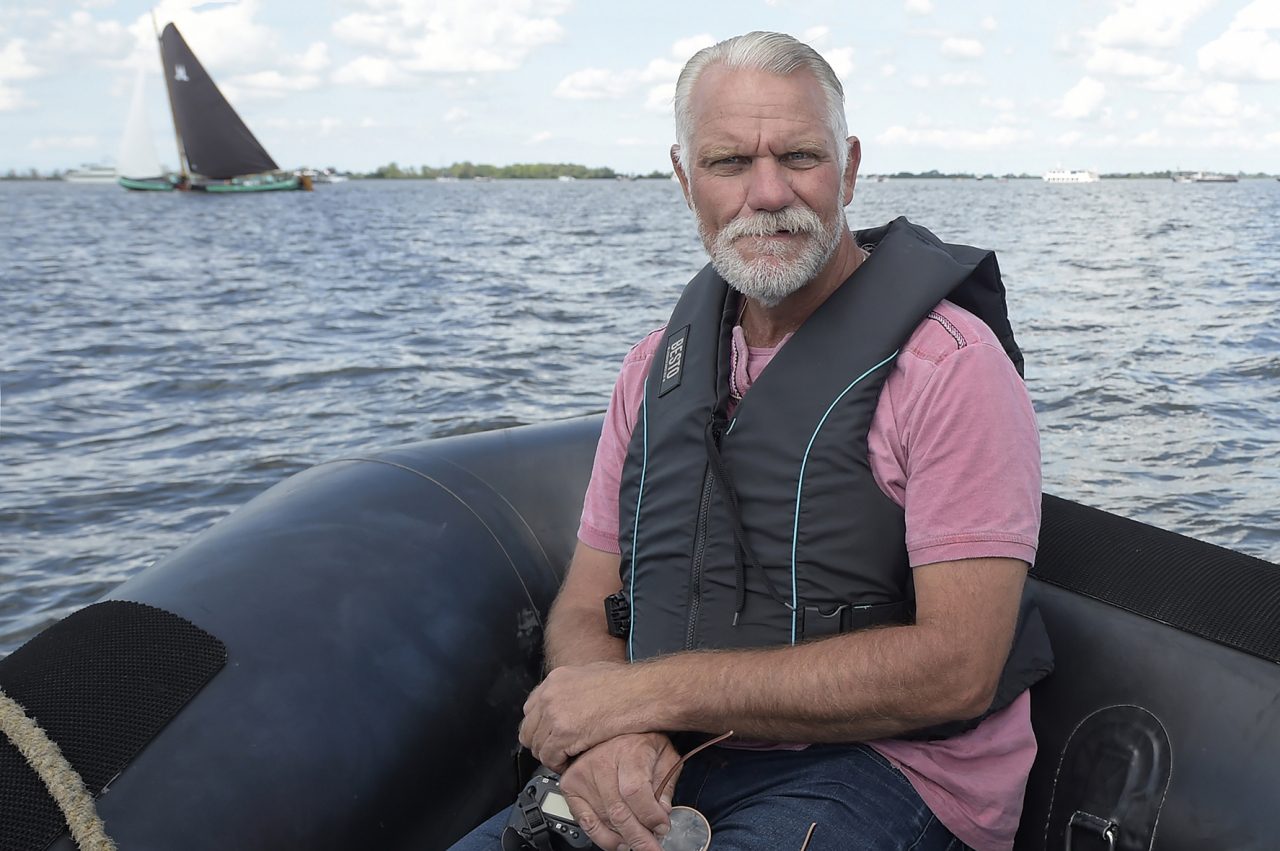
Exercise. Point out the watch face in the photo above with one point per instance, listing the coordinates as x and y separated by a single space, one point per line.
554 804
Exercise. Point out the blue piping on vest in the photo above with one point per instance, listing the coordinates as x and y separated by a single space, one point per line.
635 528
795 526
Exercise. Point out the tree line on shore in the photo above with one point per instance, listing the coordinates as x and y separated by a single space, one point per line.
516 171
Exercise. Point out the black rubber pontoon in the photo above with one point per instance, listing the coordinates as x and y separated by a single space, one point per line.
382 625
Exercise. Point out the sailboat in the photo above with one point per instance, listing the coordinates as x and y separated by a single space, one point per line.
138 164
217 152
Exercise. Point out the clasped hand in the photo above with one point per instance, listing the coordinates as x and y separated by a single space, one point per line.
579 706
596 715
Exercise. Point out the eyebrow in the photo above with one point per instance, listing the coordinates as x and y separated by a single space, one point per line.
717 152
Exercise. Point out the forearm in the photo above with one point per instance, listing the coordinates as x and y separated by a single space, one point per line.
869 685
576 634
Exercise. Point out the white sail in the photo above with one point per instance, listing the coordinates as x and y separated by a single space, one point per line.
138 158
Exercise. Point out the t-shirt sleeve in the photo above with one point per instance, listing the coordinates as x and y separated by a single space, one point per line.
599 525
966 464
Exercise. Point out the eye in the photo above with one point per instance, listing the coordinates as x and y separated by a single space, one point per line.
800 157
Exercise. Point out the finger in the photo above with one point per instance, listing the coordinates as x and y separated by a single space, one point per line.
635 786
591 823
666 760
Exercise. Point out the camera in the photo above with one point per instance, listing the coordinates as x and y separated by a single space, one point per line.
540 820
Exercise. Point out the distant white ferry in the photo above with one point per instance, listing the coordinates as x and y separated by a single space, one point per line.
1063 175
91 174
1205 177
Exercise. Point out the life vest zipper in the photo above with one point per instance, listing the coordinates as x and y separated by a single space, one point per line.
699 554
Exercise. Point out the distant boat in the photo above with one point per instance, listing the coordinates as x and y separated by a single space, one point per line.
139 164
1062 175
1205 177
217 151
91 173
565 178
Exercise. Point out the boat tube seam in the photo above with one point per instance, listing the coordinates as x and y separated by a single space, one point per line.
529 596
795 524
63 782
500 495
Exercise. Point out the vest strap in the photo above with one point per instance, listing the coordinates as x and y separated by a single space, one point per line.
816 623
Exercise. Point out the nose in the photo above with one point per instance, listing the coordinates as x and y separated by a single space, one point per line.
770 186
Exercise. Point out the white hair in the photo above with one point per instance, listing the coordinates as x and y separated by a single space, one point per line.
773 53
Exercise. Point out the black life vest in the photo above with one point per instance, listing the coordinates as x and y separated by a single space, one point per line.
768 528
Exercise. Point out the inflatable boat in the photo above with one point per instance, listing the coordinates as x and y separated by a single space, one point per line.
341 663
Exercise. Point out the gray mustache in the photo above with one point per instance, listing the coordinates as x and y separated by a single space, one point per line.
793 219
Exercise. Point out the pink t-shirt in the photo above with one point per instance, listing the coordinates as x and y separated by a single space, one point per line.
954 442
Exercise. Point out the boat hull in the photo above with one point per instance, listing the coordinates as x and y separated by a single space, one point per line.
382 619
153 184
233 186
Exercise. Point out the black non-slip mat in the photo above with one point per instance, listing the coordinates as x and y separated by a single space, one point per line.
101 683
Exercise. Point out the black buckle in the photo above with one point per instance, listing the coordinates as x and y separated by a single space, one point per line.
847 617
617 614
1098 830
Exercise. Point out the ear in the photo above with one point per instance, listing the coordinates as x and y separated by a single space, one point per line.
682 177
850 176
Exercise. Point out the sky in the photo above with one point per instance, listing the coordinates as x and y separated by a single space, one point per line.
987 86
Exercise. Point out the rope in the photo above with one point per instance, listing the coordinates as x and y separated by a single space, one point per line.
63 782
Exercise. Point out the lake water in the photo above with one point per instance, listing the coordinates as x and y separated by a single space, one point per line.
166 357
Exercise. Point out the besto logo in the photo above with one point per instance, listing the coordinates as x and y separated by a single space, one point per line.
673 363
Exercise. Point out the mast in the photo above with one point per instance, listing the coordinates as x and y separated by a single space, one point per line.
182 153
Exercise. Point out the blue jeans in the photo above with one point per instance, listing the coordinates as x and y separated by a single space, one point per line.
766 800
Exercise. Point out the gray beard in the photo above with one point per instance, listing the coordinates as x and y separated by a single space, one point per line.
764 279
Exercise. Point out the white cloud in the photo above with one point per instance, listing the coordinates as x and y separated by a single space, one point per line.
999 104
963 79
539 138
684 49
962 48
63 143
271 84
323 126
919 81
1248 50
989 24
1151 139
314 59
1082 100
660 97
1125 63
454 35
1070 138
1149 23
952 138
84 35
456 115
226 36
1215 106
10 99
919 7
596 84
814 36
888 70
659 76
840 59
14 64
370 71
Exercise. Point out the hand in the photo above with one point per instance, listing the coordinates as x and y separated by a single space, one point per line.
579 706
611 790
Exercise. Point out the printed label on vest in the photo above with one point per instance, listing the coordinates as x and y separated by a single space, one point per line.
673 362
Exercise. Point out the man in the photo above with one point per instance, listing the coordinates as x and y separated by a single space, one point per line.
831 564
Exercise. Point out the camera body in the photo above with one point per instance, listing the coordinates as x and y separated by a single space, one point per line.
541 816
